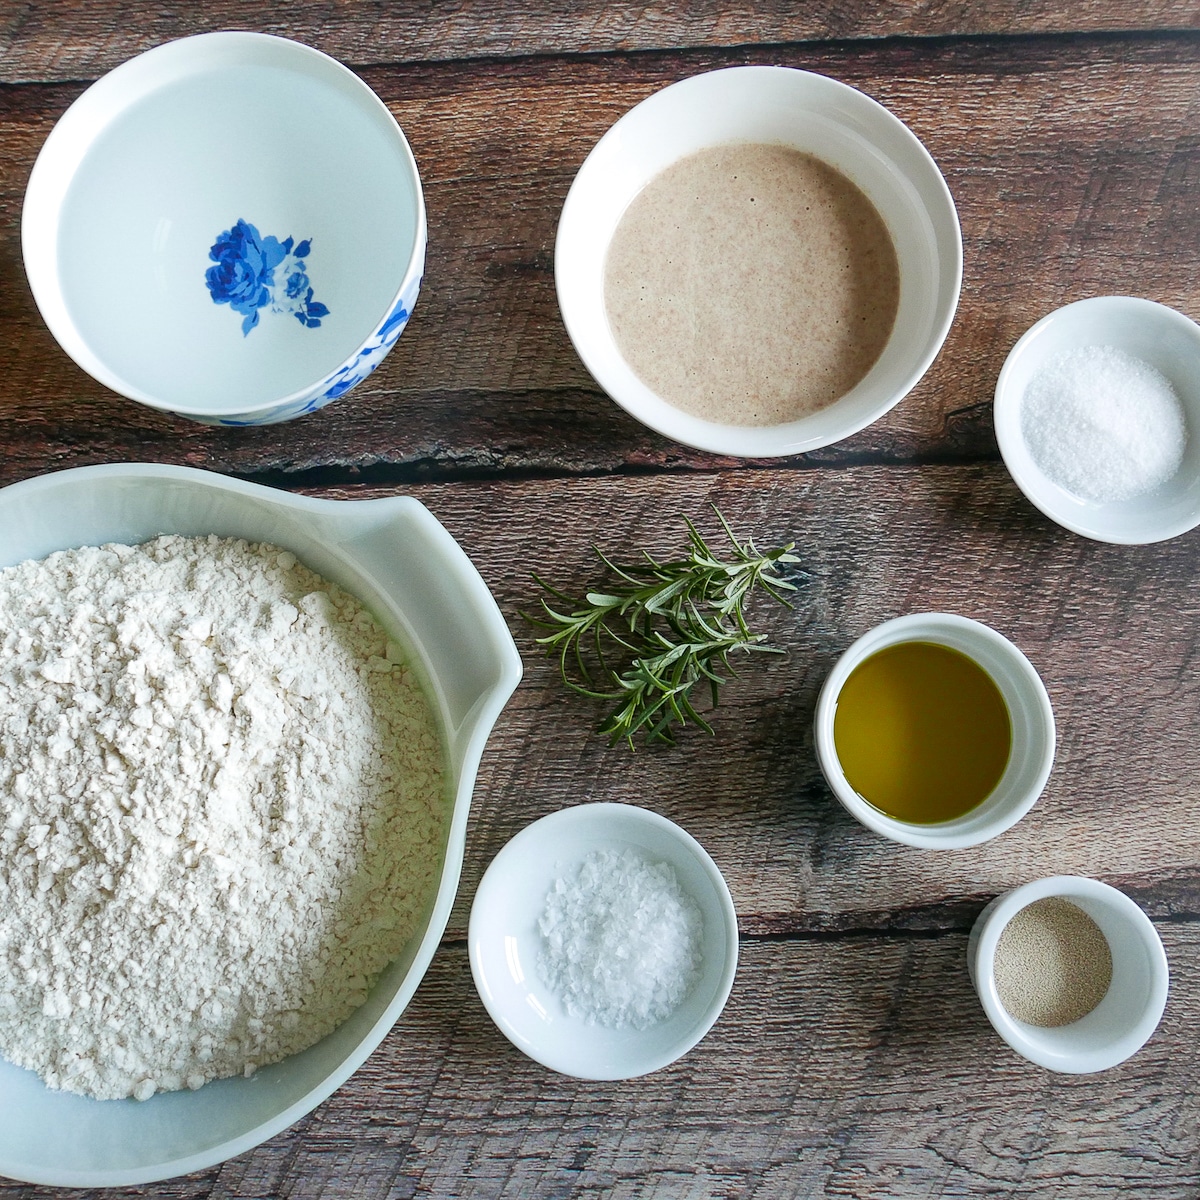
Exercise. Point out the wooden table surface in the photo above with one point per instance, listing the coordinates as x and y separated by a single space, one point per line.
853 1059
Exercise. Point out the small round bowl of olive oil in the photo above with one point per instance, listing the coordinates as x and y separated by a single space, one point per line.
936 731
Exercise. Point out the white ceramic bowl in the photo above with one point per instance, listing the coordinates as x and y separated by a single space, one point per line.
395 556
229 227
1029 709
813 114
1129 1013
1152 332
504 941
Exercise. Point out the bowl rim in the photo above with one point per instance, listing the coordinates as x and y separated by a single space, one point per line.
617 815
43 277
985 936
924 627
466 745
1006 410
766 441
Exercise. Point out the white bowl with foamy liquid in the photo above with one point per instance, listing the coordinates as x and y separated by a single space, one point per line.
817 116
402 564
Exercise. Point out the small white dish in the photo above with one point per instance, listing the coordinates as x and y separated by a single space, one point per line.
816 115
394 555
229 227
1158 335
1032 753
504 942
1133 1006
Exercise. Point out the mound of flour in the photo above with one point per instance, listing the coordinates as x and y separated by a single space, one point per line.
221 812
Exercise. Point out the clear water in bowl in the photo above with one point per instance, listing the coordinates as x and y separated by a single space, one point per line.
295 158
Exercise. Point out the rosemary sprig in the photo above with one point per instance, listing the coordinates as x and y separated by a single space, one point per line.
658 630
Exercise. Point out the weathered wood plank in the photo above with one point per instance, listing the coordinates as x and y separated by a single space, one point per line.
853 1059
1113 631
862 1068
64 40
1073 164
828 1070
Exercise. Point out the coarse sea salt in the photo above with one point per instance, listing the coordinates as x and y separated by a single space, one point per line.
1102 424
622 940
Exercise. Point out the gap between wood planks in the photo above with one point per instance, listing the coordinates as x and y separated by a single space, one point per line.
430 470
973 42
930 922
760 35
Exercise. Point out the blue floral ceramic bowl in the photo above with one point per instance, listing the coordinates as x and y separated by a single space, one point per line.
229 227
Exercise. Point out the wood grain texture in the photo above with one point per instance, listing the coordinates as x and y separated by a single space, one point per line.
52 40
1112 630
861 1067
1073 164
853 1060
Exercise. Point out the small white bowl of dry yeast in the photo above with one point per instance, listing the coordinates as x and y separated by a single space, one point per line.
1130 1005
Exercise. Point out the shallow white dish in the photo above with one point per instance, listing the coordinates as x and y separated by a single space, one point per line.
396 557
1029 709
814 114
229 227
1152 332
504 942
1129 1013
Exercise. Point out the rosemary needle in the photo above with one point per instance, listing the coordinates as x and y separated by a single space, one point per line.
655 631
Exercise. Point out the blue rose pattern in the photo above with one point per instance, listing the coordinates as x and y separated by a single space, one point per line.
346 376
369 357
253 272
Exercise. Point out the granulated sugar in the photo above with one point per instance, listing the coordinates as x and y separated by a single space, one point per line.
623 941
1102 424
1053 964
221 812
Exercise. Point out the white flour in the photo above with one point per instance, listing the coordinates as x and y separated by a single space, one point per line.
221 812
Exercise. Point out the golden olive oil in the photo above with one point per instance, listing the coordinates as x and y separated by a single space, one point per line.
922 732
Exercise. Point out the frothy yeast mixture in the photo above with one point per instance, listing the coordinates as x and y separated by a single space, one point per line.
751 284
